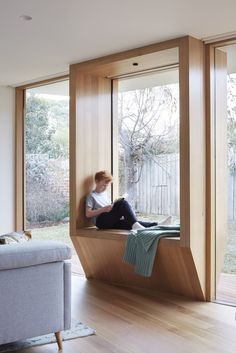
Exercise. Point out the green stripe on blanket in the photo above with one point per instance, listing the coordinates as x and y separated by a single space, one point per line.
141 247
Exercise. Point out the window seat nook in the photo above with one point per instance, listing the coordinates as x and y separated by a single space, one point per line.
101 254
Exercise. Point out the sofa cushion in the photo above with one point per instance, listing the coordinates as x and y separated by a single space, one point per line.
33 252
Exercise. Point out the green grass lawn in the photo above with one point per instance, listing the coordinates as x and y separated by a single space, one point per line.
59 232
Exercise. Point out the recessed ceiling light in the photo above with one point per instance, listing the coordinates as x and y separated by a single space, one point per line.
25 18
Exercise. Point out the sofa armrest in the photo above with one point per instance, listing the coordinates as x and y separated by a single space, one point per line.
33 252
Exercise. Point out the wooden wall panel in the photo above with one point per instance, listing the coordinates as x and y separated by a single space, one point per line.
210 175
216 154
115 140
101 256
197 161
73 150
221 167
150 56
19 161
90 138
192 151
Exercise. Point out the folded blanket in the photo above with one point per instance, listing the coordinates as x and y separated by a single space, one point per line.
141 246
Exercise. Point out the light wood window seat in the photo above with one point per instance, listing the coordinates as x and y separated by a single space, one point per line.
116 234
101 255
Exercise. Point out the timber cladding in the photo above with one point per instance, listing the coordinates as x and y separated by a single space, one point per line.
93 97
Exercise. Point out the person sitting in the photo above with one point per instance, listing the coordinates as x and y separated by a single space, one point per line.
106 215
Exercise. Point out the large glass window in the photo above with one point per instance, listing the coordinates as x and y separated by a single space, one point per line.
47 164
47 155
148 153
226 175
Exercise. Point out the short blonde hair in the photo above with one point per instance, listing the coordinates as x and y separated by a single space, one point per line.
103 175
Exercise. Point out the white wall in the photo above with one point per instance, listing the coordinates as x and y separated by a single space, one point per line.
7 158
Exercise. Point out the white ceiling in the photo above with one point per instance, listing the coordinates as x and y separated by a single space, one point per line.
63 32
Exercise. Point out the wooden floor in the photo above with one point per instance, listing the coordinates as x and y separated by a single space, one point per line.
76 267
127 321
225 293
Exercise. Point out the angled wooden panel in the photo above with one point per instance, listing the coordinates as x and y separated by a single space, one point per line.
101 254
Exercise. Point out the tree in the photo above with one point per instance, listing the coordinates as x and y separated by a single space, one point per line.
38 131
47 154
148 127
47 127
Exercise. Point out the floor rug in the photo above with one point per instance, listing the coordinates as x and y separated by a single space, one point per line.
77 330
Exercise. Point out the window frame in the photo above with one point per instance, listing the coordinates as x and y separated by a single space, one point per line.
115 132
211 226
20 103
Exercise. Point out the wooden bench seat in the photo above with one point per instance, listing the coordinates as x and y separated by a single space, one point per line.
101 255
117 234
94 232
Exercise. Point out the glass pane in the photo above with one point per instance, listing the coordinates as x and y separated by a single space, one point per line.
148 124
47 164
226 253
47 156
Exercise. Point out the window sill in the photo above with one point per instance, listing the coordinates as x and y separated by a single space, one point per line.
117 234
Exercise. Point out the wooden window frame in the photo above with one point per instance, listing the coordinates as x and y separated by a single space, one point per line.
211 229
20 92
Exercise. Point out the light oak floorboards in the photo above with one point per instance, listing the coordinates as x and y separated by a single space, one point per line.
130 321
76 267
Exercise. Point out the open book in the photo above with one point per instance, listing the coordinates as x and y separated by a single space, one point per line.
120 198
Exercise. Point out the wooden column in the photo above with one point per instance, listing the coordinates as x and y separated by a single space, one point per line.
192 151
90 130
216 166
19 161
221 159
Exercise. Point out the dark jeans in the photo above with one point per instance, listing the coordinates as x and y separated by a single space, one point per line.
112 219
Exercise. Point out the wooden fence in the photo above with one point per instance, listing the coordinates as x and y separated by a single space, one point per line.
158 187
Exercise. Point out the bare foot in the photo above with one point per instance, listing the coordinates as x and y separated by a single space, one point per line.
167 220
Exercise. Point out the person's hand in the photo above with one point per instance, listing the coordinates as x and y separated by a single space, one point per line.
107 208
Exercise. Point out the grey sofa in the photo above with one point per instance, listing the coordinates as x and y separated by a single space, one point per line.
35 290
